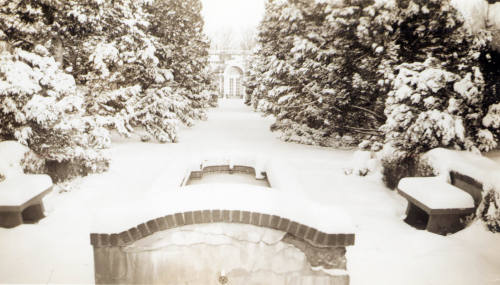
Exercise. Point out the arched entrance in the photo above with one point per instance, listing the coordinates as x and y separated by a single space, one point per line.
233 82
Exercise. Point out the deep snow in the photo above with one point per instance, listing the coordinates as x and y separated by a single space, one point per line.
387 251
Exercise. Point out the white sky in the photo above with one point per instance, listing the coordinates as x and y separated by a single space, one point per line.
237 15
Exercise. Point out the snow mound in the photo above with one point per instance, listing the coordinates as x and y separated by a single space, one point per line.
480 168
241 197
362 163
11 154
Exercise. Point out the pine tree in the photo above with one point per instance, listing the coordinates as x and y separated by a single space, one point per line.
42 108
131 63
490 60
184 50
123 75
437 96
324 67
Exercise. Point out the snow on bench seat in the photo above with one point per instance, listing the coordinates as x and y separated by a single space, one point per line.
20 194
21 199
435 194
17 190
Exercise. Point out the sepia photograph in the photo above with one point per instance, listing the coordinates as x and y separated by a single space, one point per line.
250 142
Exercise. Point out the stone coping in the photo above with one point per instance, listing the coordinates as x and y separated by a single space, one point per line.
309 234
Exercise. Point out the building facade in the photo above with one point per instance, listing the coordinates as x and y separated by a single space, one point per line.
228 67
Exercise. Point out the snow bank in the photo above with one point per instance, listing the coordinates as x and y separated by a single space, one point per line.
11 154
362 163
480 168
280 175
224 197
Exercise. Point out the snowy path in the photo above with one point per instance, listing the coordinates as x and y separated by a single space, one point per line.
387 251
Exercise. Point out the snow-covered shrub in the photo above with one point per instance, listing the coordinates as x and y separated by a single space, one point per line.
214 99
397 164
32 163
490 60
492 118
431 107
492 122
489 210
40 107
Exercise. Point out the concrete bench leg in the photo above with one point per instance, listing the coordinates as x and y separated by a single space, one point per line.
445 223
416 216
10 219
33 213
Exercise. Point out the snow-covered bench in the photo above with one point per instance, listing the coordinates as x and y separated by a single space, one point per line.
437 206
21 199
20 194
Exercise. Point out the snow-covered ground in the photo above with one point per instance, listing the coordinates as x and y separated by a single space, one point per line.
387 251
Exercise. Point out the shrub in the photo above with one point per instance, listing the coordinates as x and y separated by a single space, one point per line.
397 164
489 210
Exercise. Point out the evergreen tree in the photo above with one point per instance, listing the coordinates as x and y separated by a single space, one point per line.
137 63
183 49
438 94
42 108
324 68
490 60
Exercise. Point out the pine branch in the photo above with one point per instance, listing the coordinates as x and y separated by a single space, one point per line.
368 111
373 132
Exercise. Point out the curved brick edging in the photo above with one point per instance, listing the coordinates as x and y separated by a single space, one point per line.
309 234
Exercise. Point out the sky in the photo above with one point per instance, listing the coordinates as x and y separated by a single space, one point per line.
236 15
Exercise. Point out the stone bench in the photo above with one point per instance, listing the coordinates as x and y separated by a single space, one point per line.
435 205
21 199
